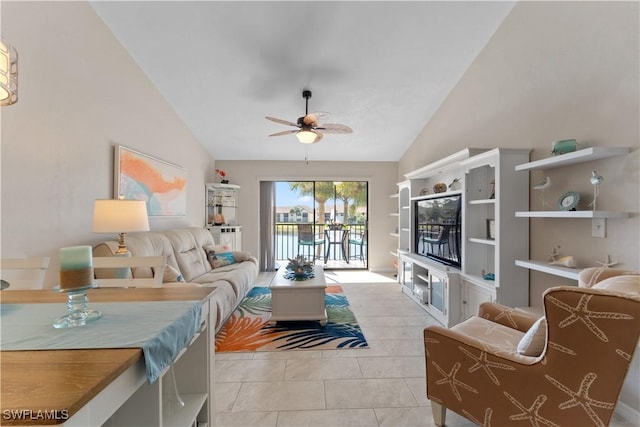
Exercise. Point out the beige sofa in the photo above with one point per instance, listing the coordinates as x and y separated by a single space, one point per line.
185 252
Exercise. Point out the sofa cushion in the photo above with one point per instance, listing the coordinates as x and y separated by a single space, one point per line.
150 243
532 343
189 255
239 275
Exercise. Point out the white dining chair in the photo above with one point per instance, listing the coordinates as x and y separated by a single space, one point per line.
156 263
23 273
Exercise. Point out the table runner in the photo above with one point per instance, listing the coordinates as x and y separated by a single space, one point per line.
161 328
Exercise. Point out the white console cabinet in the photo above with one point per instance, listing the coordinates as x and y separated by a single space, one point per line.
433 286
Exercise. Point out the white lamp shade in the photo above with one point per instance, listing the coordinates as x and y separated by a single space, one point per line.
120 216
306 136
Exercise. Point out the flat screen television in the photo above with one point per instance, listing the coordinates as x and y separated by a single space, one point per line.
438 229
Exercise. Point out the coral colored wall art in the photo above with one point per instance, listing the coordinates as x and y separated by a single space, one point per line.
161 184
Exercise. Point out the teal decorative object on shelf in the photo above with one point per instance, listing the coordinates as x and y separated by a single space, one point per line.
564 146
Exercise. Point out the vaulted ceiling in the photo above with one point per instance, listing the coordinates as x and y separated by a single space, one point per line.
382 68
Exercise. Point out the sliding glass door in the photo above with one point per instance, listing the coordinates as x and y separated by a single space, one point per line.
322 220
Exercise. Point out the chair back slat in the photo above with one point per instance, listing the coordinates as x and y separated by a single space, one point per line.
24 273
157 263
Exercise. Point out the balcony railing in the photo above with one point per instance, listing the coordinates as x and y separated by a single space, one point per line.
287 241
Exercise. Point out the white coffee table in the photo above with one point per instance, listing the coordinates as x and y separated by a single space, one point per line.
298 299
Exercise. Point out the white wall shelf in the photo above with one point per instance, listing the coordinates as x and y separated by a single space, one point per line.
569 273
483 202
580 156
572 214
482 241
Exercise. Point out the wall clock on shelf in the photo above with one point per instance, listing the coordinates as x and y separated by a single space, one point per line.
568 201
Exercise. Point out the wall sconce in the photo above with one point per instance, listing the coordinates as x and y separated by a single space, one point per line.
8 74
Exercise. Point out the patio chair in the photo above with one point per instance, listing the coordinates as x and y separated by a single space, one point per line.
23 273
309 240
360 243
438 242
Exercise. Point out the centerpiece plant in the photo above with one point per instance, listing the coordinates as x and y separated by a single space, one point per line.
300 266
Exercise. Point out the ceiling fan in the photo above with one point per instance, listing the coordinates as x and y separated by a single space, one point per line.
311 127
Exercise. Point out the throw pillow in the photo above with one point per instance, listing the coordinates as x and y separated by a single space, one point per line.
217 248
218 260
626 283
241 256
532 343
170 274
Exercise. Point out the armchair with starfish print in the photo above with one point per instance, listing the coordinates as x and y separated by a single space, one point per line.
505 367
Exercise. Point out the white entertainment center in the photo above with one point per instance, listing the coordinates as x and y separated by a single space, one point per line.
487 243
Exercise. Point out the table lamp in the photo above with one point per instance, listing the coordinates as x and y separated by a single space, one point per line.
120 216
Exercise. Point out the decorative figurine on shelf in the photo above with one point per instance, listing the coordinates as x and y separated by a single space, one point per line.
565 261
595 180
455 184
218 218
223 176
608 263
553 256
440 187
493 189
543 185
563 146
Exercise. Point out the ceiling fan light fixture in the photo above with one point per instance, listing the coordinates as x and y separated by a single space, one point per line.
306 136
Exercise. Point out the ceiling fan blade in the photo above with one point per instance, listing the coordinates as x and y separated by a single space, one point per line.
335 128
282 122
319 135
284 132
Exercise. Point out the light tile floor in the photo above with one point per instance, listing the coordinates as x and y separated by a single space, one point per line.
380 386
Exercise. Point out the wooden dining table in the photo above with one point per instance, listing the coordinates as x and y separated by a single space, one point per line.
47 387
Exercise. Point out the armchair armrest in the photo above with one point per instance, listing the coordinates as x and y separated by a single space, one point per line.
506 316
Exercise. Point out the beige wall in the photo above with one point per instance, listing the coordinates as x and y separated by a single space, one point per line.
79 94
380 175
556 70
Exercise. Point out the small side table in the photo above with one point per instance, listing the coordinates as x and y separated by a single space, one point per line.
337 238
298 299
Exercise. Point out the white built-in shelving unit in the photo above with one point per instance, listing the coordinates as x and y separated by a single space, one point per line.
491 189
493 192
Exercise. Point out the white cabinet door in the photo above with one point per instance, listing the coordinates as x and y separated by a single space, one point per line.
472 296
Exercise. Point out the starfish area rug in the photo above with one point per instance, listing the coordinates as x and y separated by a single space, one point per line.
248 327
